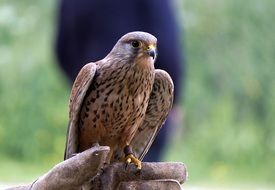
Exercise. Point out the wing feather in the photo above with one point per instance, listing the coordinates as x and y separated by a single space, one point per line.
160 103
79 89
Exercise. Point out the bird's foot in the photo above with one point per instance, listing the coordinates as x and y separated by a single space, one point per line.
130 158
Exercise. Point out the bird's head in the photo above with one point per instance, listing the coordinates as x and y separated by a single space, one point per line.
136 47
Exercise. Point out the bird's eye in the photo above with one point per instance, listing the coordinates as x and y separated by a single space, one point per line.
135 44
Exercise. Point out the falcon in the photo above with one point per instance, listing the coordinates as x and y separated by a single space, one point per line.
120 101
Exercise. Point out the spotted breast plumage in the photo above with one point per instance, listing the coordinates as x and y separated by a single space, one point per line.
120 101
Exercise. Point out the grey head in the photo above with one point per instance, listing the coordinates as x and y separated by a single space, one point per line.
136 45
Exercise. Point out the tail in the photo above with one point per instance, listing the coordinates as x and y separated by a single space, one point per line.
71 145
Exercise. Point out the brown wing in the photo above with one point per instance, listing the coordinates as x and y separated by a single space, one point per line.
160 103
79 89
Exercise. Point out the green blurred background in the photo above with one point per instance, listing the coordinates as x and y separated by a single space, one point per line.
228 135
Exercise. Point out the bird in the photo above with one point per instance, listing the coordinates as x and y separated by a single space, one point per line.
120 101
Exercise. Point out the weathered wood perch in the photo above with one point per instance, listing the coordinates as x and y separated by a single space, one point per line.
88 170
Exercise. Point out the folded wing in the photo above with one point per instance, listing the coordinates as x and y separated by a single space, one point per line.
160 103
79 89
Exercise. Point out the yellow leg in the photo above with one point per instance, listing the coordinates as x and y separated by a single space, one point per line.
130 158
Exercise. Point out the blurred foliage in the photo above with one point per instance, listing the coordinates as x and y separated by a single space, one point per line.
34 93
229 131
229 97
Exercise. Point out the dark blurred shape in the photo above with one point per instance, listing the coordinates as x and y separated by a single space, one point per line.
87 30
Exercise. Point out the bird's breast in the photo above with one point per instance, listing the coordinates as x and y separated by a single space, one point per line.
116 106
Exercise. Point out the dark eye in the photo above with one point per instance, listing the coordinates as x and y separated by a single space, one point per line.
135 44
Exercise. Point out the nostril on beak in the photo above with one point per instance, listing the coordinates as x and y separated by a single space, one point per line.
152 53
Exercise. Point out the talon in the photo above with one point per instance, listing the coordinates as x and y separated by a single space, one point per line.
132 159
128 160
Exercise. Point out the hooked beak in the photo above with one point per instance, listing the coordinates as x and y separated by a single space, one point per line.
151 51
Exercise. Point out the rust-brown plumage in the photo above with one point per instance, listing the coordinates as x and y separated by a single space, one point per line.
120 101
